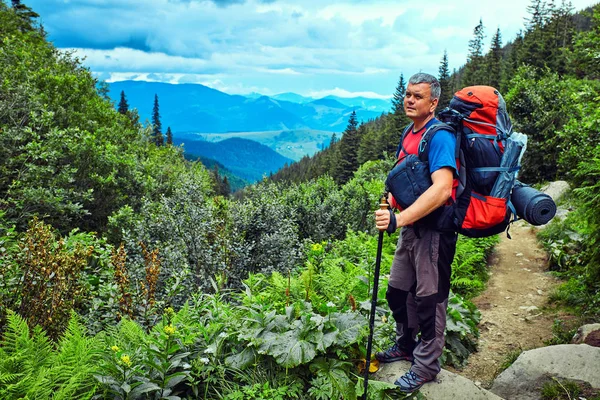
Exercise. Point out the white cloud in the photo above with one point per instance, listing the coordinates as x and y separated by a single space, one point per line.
357 14
248 44
345 93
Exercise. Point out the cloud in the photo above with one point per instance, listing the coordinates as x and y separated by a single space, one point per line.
312 44
347 94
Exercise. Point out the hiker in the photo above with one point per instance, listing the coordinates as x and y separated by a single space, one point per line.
419 281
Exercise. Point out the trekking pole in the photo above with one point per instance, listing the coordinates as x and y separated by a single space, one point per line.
383 205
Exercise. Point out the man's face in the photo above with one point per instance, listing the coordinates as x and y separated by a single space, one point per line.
418 103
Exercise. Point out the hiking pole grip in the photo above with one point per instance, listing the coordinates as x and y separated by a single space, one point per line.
383 205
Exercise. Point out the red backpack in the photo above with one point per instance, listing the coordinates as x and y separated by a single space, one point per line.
482 206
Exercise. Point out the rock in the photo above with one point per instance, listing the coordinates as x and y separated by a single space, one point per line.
525 378
556 190
446 386
588 334
530 309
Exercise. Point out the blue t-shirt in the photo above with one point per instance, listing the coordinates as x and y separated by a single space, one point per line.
441 150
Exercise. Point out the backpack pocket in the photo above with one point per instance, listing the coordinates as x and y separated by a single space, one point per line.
485 216
408 180
484 211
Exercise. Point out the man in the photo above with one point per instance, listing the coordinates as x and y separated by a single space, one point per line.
419 281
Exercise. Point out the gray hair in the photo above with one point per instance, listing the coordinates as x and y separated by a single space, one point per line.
434 84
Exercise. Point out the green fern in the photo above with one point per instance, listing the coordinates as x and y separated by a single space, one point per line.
31 368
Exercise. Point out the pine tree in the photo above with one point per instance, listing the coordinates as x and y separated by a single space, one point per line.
26 16
169 136
398 115
586 48
157 135
494 61
225 187
445 83
512 61
123 106
560 33
535 44
398 98
348 152
537 15
474 73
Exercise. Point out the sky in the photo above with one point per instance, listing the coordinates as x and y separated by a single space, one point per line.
311 47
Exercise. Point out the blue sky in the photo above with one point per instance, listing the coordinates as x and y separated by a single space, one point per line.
310 47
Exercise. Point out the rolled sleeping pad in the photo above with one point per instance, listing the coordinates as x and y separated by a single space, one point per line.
533 206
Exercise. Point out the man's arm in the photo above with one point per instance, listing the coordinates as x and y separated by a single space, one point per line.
434 197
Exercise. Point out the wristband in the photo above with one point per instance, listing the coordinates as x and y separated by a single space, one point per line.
392 226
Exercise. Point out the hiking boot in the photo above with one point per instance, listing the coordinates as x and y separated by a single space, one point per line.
409 382
394 353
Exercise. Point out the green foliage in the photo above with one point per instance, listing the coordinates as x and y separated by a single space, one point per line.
474 72
348 147
445 83
572 247
318 209
264 392
469 267
557 390
65 153
30 367
562 333
263 221
586 46
462 319
510 358
48 271
560 133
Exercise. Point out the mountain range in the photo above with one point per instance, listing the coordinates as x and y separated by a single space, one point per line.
245 158
198 108
251 136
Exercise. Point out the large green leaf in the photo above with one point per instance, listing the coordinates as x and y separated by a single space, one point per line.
350 325
289 350
243 359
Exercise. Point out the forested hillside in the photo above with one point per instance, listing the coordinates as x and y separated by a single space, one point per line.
126 273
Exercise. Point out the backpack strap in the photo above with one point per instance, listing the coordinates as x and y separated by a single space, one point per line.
401 144
428 136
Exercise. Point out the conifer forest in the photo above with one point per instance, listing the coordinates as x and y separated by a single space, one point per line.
130 272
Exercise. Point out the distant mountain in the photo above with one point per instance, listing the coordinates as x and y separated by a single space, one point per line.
235 182
197 108
293 97
377 105
365 103
245 158
293 144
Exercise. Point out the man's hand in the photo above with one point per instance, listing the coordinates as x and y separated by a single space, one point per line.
382 219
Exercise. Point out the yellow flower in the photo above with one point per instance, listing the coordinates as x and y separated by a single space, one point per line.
115 348
169 329
126 360
169 312
317 247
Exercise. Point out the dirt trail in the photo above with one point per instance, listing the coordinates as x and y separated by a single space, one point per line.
518 283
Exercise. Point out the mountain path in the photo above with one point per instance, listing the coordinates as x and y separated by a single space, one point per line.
513 312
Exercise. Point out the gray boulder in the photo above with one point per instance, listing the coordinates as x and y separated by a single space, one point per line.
525 378
588 334
556 189
446 386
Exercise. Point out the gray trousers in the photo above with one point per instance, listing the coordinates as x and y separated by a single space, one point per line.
417 294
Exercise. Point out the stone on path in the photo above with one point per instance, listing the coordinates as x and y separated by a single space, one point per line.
588 334
556 189
524 379
446 386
